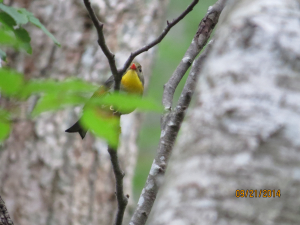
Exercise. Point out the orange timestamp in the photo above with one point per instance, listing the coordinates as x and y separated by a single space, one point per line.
254 193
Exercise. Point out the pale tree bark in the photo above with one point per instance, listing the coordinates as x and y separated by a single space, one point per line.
243 131
46 175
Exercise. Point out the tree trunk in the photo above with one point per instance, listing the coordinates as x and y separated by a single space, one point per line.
243 131
46 175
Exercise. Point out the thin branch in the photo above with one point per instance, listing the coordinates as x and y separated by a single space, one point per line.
101 41
119 174
168 137
190 84
171 121
205 28
111 57
160 37
121 198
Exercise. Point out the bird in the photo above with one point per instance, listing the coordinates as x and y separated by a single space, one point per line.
132 82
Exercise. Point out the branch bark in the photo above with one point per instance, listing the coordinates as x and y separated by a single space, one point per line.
66 180
160 37
205 28
102 43
111 57
119 174
172 120
242 133
4 216
122 199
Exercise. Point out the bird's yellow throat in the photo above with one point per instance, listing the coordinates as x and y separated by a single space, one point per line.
132 83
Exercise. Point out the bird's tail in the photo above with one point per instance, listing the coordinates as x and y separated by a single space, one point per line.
77 128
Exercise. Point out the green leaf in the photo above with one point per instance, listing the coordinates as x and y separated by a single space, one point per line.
4 130
1 1
51 86
7 20
24 39
22 34
7 38
25 12
10 82
107 128
37 23
126 103
20 18
2 55
52 102
4 115
21 39
76 85
37 86
26 47
4 124
16 38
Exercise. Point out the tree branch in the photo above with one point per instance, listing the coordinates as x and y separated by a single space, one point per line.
190 84
111 57
160 37
123 200
119 174
205 28
4 216
172 120
101 41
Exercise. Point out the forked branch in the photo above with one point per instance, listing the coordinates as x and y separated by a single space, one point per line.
111 57
121 198
160 37
172 119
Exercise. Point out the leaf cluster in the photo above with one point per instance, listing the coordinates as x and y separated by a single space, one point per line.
56 95
12 32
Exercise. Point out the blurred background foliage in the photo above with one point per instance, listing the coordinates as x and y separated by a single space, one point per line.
170 52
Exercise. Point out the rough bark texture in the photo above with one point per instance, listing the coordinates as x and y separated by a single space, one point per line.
243 132
46 175
4 215
172 118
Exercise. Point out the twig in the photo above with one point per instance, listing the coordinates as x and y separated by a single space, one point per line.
4 216
190 84
121 198
205 28
101 41
111 57
119 174
172 120
160 37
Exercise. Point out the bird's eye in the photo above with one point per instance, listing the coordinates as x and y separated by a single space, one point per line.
140 69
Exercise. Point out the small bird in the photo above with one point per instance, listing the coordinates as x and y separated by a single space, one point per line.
132 82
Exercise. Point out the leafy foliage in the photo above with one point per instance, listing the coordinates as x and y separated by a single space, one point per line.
11 31
10 82
56 95
98 114
105 127
4 124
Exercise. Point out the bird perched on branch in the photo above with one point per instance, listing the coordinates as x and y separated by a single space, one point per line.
132 82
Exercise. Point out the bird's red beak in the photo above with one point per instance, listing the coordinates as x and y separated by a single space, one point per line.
133 67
